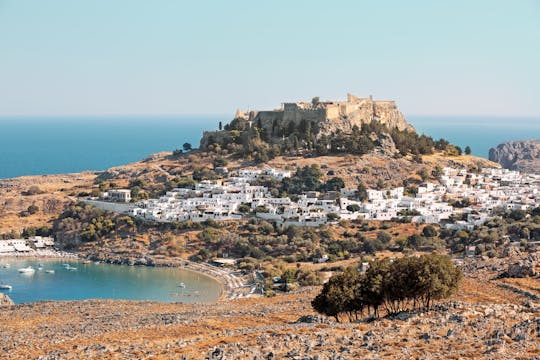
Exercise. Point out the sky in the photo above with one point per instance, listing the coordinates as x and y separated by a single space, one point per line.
141 57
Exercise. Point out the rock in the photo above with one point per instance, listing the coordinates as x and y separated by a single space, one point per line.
5 300
216 354
521 269
425 336
456 318
512 252
518 155
402 315
368 335
312 319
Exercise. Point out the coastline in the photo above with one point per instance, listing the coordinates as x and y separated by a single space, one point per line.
41 254
230 285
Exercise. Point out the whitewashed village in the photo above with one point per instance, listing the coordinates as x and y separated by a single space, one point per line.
234 198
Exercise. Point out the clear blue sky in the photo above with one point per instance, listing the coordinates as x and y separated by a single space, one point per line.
459 57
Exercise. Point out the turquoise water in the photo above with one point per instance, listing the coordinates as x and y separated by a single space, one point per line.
91 281
49 145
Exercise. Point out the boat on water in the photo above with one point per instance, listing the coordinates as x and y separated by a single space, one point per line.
27 270
6 266
6 287
49 271
71 268
182 285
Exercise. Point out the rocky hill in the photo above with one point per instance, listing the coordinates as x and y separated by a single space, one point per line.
518 155
321 118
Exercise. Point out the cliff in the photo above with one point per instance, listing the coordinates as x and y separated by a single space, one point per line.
322 118
518 155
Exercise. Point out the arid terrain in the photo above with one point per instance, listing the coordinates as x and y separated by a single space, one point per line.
487 318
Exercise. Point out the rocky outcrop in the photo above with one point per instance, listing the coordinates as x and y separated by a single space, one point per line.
518 155
322 118
5 300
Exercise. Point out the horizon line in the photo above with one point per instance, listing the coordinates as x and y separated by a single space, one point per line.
97 115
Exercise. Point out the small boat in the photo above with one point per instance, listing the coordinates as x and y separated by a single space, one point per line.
27 270
6 266
71 268
66 265
182 285
49 271
6 287
40 268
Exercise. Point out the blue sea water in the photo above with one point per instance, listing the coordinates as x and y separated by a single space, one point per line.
49 145
90 281
55 145
480 133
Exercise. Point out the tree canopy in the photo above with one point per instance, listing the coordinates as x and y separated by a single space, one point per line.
402 284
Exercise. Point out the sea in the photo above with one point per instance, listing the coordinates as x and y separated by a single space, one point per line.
52 145
75 280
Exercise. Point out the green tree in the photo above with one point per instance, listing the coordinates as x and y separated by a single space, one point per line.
332 216
384 237
437 172
361 191
244 208
424 174
186 146
429 231
467 150
334 184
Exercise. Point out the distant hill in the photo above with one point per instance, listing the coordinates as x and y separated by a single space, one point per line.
521 155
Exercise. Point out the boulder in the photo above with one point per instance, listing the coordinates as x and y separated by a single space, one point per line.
5 300
521 269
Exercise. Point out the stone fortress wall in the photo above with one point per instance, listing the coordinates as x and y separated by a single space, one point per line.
331 115
325 117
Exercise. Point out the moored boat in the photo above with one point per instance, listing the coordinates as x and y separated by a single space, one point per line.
6 287
27 270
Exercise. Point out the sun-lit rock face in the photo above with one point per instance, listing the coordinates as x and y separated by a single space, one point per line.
321 117
518 155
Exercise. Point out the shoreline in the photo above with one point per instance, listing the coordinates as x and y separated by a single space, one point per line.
230 285
41 254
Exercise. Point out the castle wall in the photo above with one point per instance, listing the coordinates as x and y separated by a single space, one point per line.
328 116
332 111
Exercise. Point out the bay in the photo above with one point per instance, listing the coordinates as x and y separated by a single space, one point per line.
91 281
